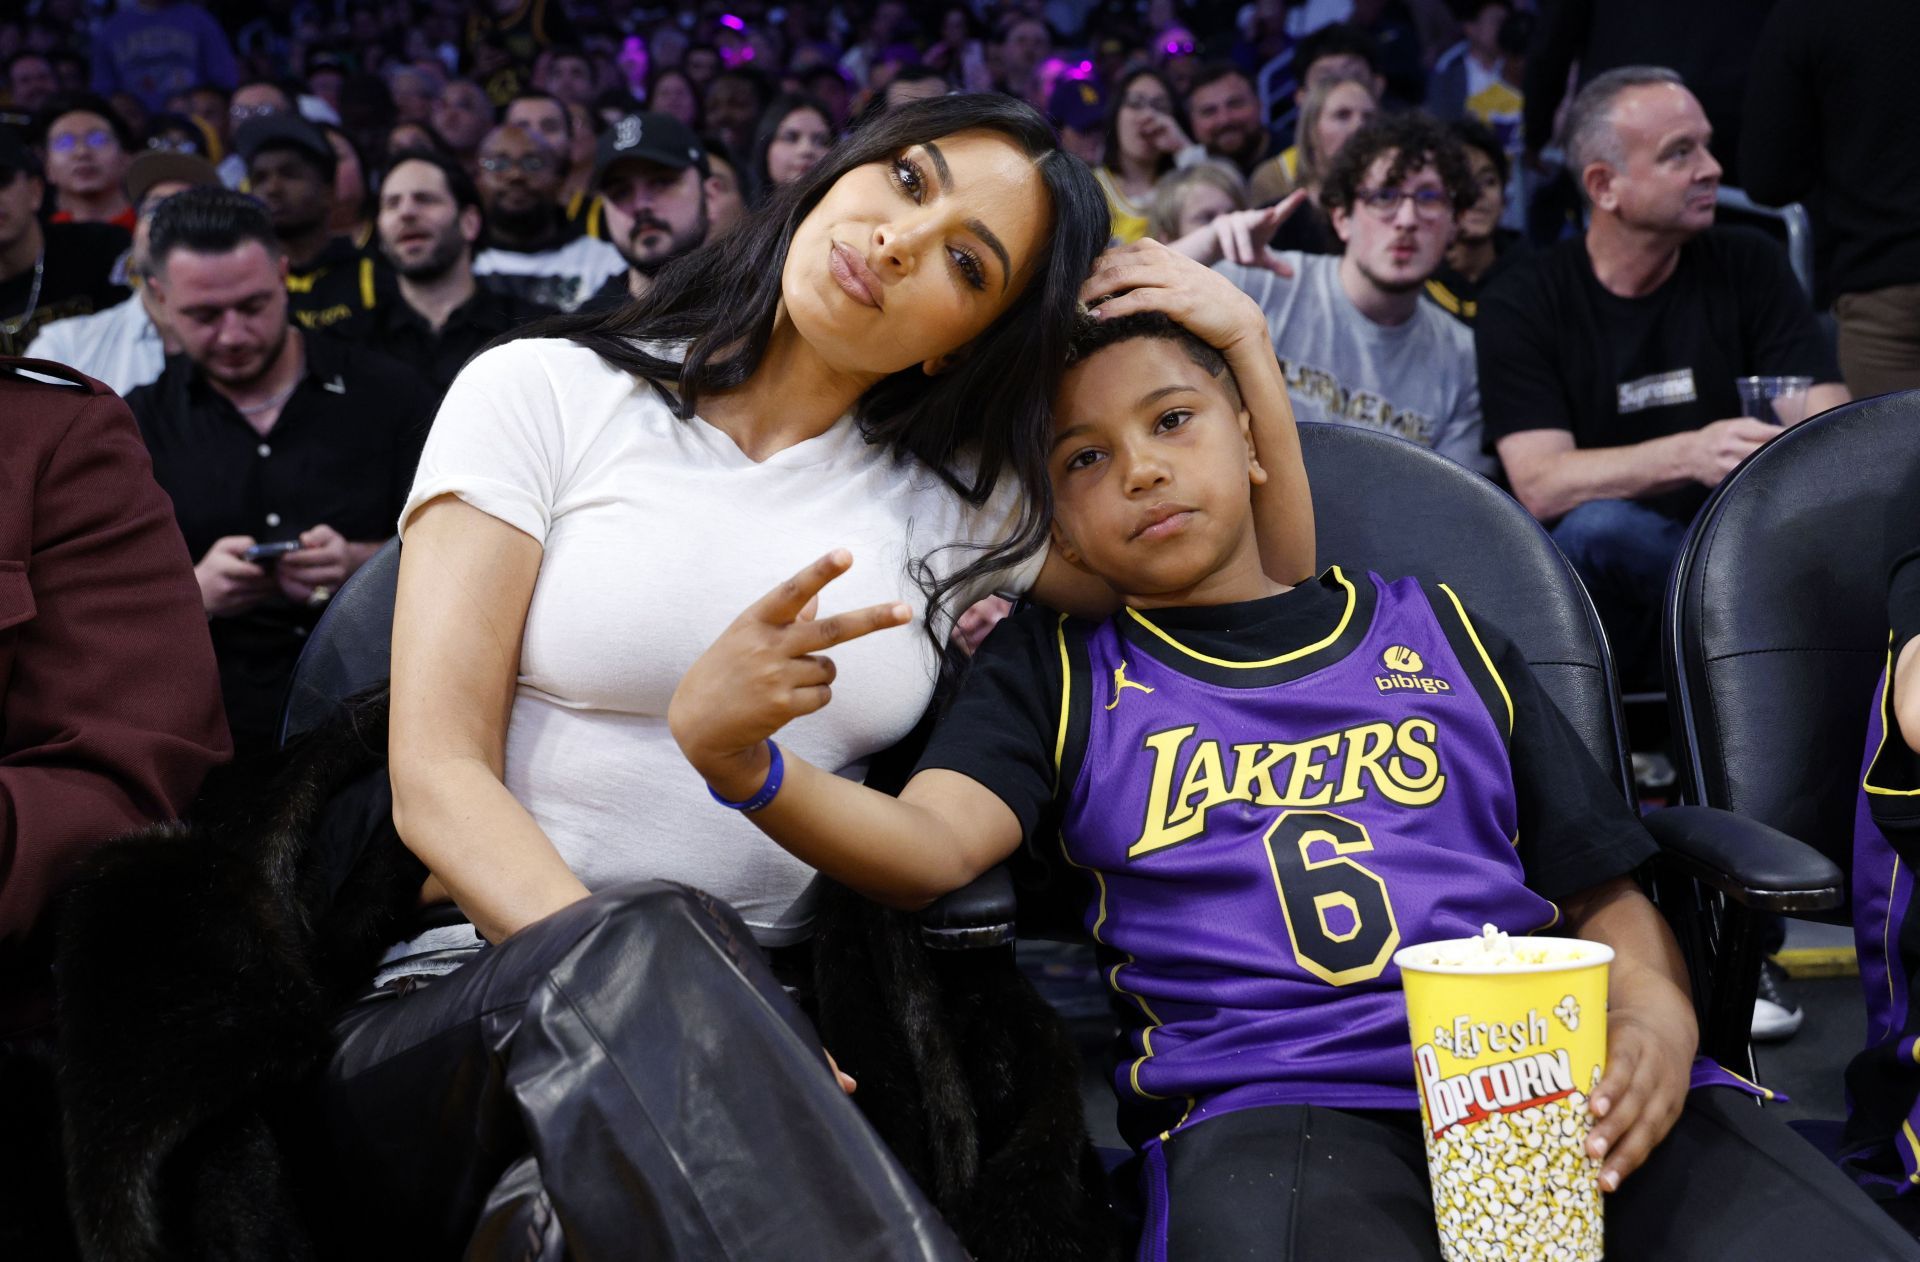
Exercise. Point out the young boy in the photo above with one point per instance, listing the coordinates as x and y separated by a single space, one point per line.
1272 788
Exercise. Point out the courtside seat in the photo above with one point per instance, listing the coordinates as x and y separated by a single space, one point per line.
1775 630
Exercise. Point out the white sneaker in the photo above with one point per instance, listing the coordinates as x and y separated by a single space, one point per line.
1775 1016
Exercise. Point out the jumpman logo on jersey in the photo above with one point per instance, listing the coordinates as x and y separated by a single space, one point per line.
1121 683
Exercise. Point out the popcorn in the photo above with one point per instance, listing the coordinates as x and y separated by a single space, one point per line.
1519 1187
1506 1051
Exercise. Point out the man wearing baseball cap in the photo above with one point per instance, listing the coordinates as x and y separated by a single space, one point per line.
330 284
124 345
650 173
47 271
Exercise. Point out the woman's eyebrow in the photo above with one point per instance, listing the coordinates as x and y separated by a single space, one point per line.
975 226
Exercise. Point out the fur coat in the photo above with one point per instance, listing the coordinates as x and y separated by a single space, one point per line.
199 965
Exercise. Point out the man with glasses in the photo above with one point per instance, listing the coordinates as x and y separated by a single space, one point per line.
125 345
47 271
1356 343
87 147
532 252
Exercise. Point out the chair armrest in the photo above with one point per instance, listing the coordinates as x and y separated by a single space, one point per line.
1756 866
979 914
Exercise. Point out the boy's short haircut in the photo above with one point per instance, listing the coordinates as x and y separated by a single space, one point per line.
1415 139
1475 134
1091 336
1340 39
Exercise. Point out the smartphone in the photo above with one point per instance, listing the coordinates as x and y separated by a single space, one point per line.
260 552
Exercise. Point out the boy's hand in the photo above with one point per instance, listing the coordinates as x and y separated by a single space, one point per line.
1147 276
762 673
1649 1063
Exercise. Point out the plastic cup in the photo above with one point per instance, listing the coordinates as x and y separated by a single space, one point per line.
1509 1039
1775 400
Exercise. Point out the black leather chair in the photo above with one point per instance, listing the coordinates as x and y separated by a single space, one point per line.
349 650
1775 630
1386 505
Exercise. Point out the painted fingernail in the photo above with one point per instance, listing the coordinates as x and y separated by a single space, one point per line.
1597 1145
1610 1180
1600 1105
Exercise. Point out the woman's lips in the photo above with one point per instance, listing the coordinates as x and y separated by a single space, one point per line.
852 274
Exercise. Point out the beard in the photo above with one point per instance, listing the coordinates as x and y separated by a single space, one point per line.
678 243
265 365
447 251
523 224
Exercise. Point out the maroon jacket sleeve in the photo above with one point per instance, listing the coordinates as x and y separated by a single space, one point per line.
110 710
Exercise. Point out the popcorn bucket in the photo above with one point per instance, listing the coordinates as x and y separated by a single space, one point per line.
1509 1037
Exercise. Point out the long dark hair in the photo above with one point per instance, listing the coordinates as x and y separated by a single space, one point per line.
987 416
1110 155
769 130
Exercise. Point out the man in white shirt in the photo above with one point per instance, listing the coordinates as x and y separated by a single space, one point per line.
531 251
125 345
1356 342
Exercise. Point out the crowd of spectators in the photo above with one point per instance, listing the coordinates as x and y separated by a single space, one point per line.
281 229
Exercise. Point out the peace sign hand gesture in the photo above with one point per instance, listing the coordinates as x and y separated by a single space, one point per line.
766 669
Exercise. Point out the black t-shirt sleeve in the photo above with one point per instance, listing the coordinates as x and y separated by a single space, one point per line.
1003 725
1782 336
1903 597
1518 353
1576 829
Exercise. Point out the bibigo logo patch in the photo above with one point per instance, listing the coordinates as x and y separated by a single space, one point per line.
1404 665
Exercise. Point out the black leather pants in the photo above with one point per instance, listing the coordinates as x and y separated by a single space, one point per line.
626 1077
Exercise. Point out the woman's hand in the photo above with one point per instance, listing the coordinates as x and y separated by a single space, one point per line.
1241 236
1649 1065
762 673
1148 276
1164 133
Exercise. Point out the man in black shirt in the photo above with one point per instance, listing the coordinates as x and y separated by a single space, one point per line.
47 271
651 173
429 221
290 168
266 434
1607 363
1831 118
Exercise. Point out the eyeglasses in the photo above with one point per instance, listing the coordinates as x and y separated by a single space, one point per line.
1428 203
98 138
172 144
1159 104
239 114
531 164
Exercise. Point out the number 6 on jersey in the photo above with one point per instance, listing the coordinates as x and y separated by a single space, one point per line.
1338 913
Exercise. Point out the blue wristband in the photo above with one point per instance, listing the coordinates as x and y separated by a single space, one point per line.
759 800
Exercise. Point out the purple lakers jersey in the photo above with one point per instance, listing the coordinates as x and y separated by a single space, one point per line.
1261 847
1881 1145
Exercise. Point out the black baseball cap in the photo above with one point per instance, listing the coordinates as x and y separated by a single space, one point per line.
286 131
16 154
649 137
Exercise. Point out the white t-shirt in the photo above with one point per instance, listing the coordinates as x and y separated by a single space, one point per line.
563 277
657 534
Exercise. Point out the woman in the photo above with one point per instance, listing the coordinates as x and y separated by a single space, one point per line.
670 91
1143 138
636 480
1334 109
795 132
1189 199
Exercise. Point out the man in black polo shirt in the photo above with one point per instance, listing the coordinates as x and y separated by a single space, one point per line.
266 434
290 168
1607 363
429 221
47 271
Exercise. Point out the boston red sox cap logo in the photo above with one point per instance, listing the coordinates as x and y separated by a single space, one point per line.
1401 658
